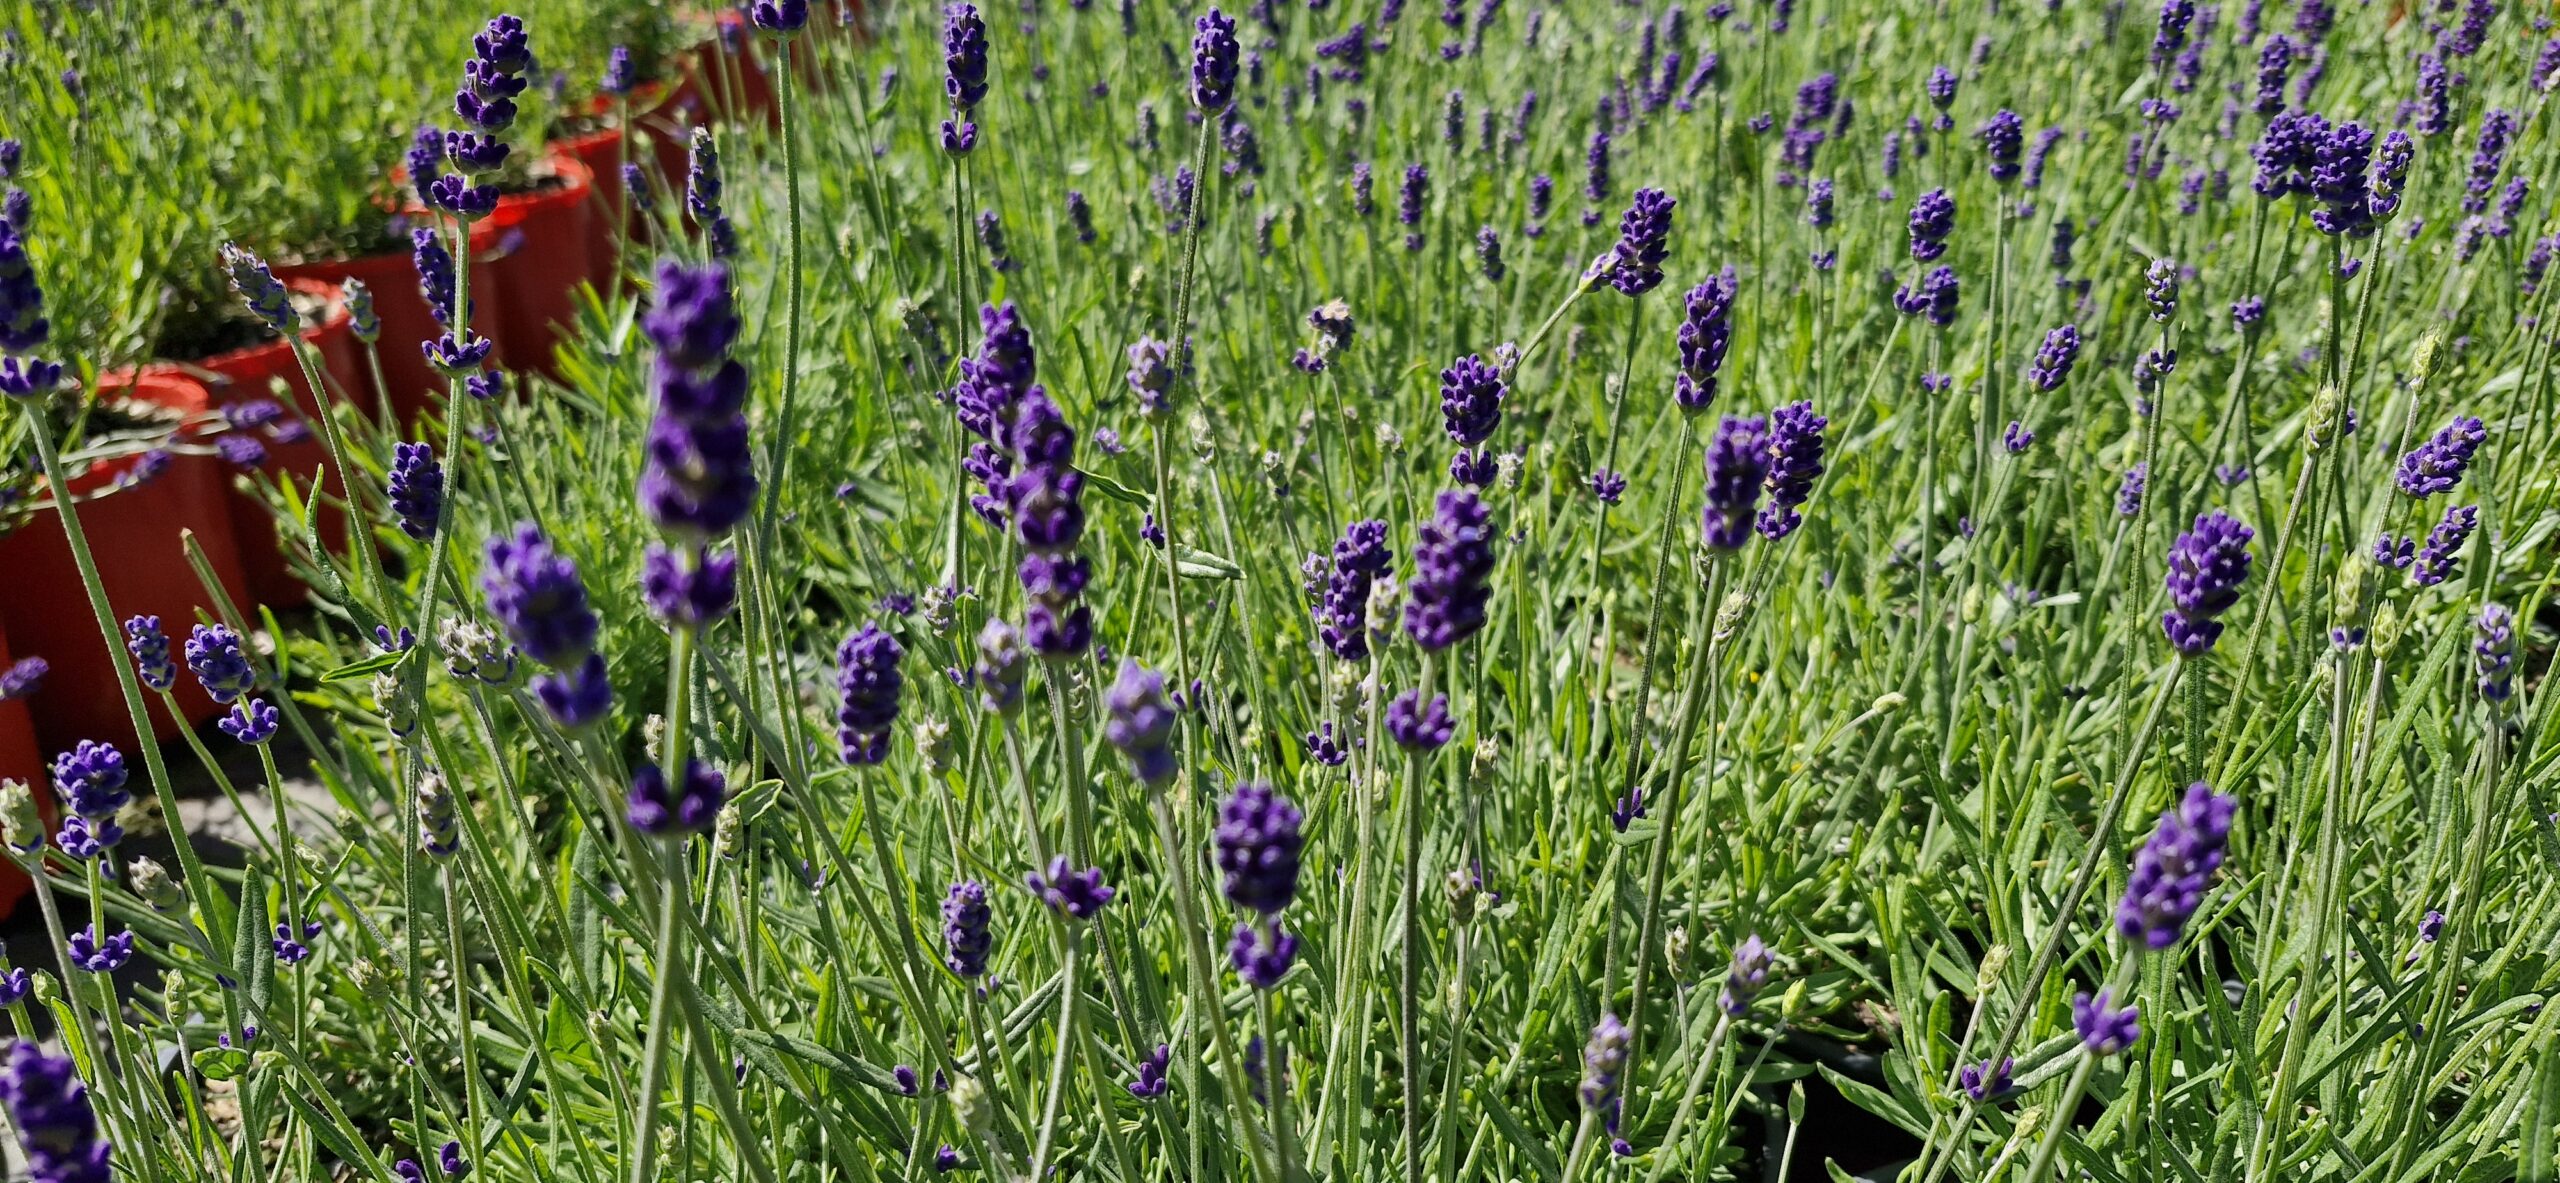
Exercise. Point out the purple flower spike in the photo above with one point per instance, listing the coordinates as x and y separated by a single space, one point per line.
1360 556
1748 976
214 653
1933 218
1079 894
1604 1061
1706 333
537 596
52 1113
1419 726
2173 869
1152 1078
1262 953
251 721
691 594
2206 568
1213 62
1140 722
965 918
416 487
1737 466
2437 465
2104 1029
867 687
150 649
1453 558
1986 1081
2053 360
658 808
2493 654
1795 462
93 955
2434 561
1644 241
1258 844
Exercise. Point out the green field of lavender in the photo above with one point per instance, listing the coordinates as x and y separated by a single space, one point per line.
1115 590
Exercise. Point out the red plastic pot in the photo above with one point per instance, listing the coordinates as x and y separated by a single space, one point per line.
246 375
136 535
540 259
20 760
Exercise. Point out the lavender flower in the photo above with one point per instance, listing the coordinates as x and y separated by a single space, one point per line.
251 721
2497 130
1213 62
214 653
1644 237
2003 138
1604 1061
1489 253
780 20
1706 333
1359 558
1152 1080
2493 655
2017 438
965 939
1933 218
1078 894
1417 189
2172 870
2104 1029
2206 568
1453 557
1737 465
491 79
1262 953
50 1109
2053 359
150 649
867 687
1140 722
1795 463
1000 668
2437 465
2444 544
2161 290
258 288
688 590
1258 846
93 955
1748 975
1471 394
1934 296
1416 725
416 488
23 677
1986 1080
540 601
660 809
698 481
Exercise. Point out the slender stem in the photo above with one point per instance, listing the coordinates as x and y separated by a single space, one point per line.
1693 701
1409 998
653 1055
1068 995
1689 1096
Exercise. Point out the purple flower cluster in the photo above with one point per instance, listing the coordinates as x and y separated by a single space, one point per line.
2493 654
1746 977
2003 138
150 649
2053 359
1737 466
1644 241
1471 394
537 596
1453 559
867 686
1934 296
1933 218
2206 568
1078 894
214 654
1213 62
965 918
964 74
698 479
1706 333
2104 1028
2434 561
1359 557
1795 463
2172 870
2497 130
416 488
50 1109
1045 499
2437 465
1417 725
1140 722
655 806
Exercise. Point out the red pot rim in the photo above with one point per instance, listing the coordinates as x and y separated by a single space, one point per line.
336 322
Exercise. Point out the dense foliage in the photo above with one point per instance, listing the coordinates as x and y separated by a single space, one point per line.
1497 593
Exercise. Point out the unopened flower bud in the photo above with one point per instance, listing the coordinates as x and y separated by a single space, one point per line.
152 883
21 826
